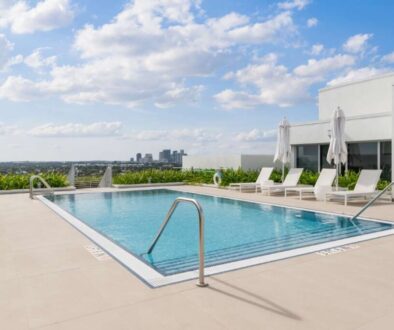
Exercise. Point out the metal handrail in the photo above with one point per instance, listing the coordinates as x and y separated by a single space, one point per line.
32 178
201 221
373 200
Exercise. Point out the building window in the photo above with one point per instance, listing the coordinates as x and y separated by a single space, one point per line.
385 160
307 157
323 157
362 156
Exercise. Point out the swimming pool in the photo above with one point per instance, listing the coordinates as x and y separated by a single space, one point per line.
237 233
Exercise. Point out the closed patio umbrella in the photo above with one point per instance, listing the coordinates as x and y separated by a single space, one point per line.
337 151
283 149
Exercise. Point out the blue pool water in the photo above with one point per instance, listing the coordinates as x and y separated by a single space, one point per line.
234 230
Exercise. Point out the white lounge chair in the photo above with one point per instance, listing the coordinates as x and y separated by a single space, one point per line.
263 177
291 181
365 186
326 179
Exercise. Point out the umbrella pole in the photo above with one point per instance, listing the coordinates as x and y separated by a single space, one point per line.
337 178
283 172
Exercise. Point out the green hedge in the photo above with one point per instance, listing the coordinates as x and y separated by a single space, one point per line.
229 176
21 181
163 176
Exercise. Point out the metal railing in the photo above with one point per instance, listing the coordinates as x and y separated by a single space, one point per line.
373 200
31 186
201 221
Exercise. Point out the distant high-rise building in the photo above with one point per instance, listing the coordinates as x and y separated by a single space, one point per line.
174 157
167 155
181 154
138 158
132 159
148 158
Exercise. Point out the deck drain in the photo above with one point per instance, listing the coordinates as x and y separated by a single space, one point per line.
337 250
96 252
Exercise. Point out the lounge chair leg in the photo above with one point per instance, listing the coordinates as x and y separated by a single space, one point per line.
345 200
300 195
285 193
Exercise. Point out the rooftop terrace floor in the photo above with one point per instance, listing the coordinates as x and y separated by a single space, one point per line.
48 280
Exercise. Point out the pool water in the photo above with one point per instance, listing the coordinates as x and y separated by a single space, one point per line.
234 230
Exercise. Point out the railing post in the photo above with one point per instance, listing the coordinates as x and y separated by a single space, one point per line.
201 268
201 243
373 200
32 178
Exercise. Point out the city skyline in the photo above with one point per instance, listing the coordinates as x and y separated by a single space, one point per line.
83 80
164 156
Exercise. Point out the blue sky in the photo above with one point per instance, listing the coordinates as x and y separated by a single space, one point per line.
92 79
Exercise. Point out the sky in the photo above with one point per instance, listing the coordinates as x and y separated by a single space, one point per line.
90 79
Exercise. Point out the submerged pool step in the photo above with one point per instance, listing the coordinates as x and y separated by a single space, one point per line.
240 255
212 258
259 243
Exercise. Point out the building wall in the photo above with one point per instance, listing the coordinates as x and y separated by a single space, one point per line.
211 161
246 162
358 128
256 162
366 97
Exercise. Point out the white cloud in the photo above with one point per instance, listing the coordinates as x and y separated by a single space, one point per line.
265 31
294 4
179 95
19 89
36 60
316 49
149 135
147 53
9 129
320 67
99 129
355 75
46 15
311 22
194 135
197 135
275 84
357 43
388 58
5 48
256 135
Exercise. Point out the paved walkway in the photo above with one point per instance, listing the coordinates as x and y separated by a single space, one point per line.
49 280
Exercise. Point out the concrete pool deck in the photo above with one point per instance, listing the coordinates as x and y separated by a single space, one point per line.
49 280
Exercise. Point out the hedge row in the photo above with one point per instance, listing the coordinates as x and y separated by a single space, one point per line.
22 181
229 176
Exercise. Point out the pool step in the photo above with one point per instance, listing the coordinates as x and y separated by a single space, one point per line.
265 242
264 247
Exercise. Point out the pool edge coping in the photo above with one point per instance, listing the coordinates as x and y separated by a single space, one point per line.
154 279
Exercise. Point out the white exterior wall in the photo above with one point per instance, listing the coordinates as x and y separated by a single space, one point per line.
366 97
256 162
359 128
208 162
246 162
369 110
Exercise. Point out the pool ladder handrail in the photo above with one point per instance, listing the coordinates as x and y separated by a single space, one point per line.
39 177
373 200
201 221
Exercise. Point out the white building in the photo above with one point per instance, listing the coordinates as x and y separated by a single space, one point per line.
246 162
368 106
